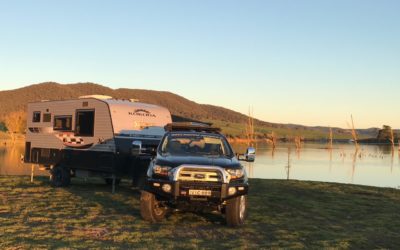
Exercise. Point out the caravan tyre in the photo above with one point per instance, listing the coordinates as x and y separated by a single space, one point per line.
236 211
60 176
150 208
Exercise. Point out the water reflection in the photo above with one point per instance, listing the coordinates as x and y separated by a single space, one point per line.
370 165
10 160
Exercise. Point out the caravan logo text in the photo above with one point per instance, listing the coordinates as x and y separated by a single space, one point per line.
142 112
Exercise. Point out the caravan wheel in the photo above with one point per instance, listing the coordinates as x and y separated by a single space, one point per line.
60 176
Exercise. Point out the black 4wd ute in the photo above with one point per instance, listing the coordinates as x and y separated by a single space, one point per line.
196 169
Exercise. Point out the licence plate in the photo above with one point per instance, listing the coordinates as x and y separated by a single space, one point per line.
199 192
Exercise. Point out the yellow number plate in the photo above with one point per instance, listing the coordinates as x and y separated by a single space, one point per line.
199 192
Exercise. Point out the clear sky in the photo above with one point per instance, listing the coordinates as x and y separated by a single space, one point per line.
305 62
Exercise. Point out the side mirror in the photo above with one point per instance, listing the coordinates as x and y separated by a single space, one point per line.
136 148
250 154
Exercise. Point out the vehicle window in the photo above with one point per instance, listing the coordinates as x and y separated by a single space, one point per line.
195 145
63 123
47 117
36 116
84 123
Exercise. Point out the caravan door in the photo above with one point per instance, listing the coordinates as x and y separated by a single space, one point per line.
84 125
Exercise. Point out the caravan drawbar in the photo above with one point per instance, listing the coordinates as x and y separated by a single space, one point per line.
93 136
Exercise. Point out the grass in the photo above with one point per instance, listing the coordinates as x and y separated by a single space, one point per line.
282 214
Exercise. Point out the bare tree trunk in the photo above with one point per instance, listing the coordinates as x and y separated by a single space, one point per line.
354 134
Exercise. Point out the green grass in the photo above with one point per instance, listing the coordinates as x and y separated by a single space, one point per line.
282 214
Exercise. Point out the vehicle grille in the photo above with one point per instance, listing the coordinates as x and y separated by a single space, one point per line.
200 175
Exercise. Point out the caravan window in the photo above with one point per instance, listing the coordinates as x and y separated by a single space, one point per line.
63 123
84 123
36 116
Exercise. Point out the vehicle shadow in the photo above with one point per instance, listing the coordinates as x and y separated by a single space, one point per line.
210 218
125 200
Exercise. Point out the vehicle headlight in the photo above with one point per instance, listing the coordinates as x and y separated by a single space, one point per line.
161 170
236 173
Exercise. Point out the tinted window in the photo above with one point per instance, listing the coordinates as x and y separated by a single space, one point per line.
192 144
36 116
63 123
84 123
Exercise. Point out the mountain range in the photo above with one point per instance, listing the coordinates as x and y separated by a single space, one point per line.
232 122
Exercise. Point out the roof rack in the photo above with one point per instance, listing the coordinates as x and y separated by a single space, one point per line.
191 126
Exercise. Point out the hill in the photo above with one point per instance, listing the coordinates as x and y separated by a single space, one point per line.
231 121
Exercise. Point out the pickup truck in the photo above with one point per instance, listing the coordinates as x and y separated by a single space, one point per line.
195 168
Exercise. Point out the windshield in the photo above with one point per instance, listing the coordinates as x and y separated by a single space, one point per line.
194 144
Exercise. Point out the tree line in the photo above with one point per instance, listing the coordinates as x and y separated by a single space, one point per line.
13 123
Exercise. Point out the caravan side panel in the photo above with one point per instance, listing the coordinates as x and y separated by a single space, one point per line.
52 128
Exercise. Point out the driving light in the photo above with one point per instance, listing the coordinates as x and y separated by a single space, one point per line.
166 188
231 191
236 173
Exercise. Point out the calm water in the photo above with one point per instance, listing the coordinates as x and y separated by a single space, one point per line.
373 165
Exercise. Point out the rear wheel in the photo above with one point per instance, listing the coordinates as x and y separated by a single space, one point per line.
236 210
150 208
60 176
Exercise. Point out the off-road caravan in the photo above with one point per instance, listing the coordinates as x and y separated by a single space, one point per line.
93 135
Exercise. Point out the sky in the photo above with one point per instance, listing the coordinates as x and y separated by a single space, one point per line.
292 61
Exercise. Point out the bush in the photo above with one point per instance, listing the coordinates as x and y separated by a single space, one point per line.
3 127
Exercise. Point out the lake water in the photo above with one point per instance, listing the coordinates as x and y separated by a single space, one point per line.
372 165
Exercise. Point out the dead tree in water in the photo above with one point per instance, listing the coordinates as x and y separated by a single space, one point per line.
330 139
392 139
354 134
273 140
288 165
297 142
250 129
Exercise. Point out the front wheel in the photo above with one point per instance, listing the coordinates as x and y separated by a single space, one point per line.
60 176
150 208
236 211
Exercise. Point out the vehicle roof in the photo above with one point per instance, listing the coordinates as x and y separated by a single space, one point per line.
192 126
